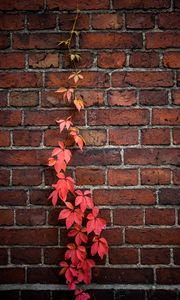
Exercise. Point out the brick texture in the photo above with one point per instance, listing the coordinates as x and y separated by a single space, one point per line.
130 60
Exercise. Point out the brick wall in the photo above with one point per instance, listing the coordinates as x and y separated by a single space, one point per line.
130 61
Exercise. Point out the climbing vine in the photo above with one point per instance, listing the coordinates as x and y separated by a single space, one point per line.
80 214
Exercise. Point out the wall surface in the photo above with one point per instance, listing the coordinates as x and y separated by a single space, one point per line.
130 59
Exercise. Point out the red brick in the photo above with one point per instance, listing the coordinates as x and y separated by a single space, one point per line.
152 156
166 116
176 176
156 216
4 138
126 217
4 177
155 256
169 196
117 275
123 256
11 22
30 217
133 4
35 295
89 176
24 157
161 295
154 176
26 138
176 97
155 40
98 157
153 236
170 20
6 217
25 256
9 118
52 255
23 99
12 275
41 21
43 60
123 40
121 136
34 237
111 59
118 117
51 137
49 117
144 60
71 4
4 41
86 61
122 98
12 60
44 275
176 252
66 22
3 256
171 59
3 98
153 97
26 177
168 275
13 197
156 136
122 177
91 79
114 236
107 21
21 5
22 79
50 176
92 97
142 79
38 40
177 4
124 197
139 21
40 197
94 137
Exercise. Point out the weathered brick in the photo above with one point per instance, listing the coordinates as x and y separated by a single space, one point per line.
155 176
89 176
124 197
12 60
10 118
21 80
41 21
3 256
30 217
71 4
118 117
155 256
21 5
123 256
4 177
133 4
6 217
144 60
13 197
169 196
171 59
43 60
44 275
26 255
142 79
3 98
11 21
86 60
66 21
26 177
126 217
12 275
176 97
176 176
168 275
4 41
124 40
27 137
156 136
176 252
122 98
122 177
139 21
170 20
24 157
155 216
111 59
153 97
23 98
4 138
107 21
123 136
166 116
155 40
